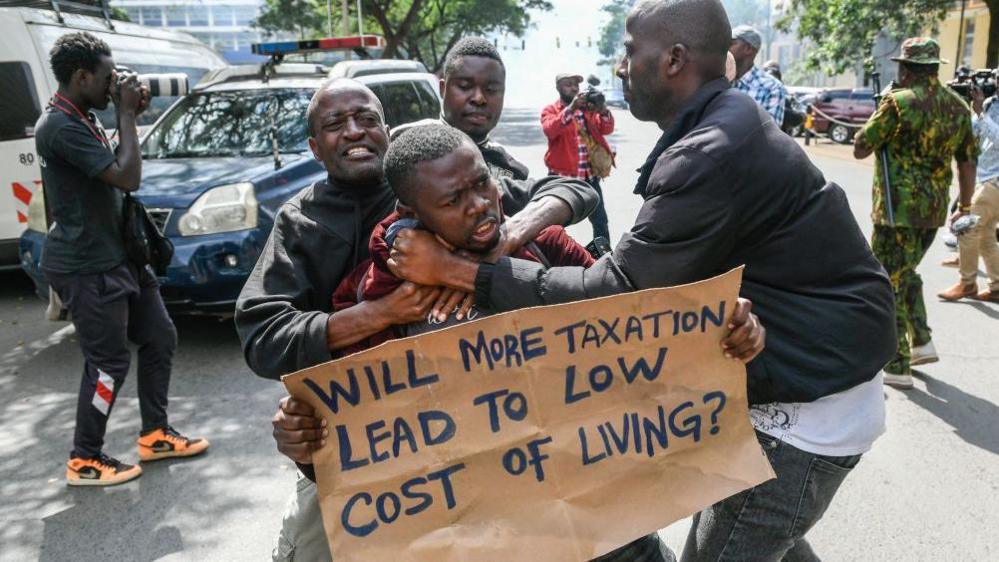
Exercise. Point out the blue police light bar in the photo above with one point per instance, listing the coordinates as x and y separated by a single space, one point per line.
313 45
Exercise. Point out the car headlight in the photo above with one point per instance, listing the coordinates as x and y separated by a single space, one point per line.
36 212
221 209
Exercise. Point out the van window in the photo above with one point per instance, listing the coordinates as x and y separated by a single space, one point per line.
403 104
20 108
835 95
431 105
157 105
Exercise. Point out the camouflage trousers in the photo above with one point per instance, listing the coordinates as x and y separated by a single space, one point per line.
900 249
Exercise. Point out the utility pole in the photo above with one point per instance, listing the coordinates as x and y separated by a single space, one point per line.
960 40
360 19
345 24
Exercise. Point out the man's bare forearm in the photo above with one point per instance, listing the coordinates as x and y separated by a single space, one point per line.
129 157
966 182
354 324
538 215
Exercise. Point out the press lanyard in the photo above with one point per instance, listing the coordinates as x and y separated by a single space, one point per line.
93 130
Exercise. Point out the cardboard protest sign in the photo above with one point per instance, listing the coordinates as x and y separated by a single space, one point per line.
556 433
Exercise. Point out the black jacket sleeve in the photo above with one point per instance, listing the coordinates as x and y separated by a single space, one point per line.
683 233
581 197
280 326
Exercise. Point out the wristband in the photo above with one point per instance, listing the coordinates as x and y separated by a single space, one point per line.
964 208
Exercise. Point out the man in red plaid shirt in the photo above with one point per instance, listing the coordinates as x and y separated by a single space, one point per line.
568 154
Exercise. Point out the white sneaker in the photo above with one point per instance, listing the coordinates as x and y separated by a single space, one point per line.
903 382
923 354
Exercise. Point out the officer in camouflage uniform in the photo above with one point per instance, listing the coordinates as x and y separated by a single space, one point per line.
921 125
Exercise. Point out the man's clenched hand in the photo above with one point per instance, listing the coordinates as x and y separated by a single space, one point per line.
297 430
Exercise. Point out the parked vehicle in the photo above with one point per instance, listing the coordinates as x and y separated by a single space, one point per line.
26 37
615 98
213 180
840 112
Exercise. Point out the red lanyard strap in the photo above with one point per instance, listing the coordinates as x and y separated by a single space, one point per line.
79 114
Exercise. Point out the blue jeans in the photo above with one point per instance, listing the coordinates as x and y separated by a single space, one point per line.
599 216
769 522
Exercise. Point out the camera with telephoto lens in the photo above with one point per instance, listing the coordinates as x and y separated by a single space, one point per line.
984 78
591 94
166 85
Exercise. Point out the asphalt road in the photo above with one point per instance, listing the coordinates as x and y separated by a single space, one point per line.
928 491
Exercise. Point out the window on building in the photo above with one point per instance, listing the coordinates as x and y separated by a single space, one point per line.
134 14
176 16
969 41
20 109
222 16
153 16
198 15
246 39
224 41
205 38
245 14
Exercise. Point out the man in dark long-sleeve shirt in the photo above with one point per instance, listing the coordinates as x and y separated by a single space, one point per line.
724 187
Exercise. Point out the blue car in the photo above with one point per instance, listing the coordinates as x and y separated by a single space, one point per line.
221 161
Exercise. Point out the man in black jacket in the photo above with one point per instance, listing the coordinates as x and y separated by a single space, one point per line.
724 187
284 313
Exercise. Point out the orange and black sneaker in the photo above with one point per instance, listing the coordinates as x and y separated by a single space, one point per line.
166 443
100 471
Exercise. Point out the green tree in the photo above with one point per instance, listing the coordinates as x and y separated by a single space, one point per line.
306 18
118 13
611 39
427 29
423 30
611 42
844 31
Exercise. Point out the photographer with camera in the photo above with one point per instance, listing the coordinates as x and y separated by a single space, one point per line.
575 126
980 240
919 127
112 300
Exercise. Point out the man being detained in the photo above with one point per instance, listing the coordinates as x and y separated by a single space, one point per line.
444 186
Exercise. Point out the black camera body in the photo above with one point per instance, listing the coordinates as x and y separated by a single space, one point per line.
984 78
591 94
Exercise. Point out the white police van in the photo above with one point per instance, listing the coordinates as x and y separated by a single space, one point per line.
27 35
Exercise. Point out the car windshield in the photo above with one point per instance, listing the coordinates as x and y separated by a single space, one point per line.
237 123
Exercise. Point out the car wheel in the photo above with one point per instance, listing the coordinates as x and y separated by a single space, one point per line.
839 133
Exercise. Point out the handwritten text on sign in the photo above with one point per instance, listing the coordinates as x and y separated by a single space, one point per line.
568 430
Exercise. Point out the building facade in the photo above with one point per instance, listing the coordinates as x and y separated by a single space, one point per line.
964 44
224 25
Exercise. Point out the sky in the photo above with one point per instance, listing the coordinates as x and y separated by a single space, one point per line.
530 79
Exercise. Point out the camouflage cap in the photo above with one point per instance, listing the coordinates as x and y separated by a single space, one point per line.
920 50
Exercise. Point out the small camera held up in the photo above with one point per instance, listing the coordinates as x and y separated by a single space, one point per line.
594 97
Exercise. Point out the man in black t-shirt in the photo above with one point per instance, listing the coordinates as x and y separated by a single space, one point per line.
112 301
